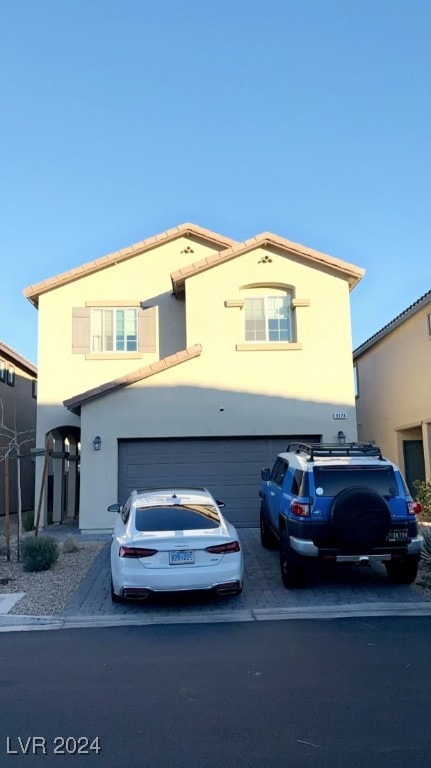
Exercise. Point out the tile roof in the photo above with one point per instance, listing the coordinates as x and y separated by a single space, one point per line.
395 323
74 403
353 273
33 292
8 351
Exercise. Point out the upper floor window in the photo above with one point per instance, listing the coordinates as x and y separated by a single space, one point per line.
110 330
11 376
268 318
2 370
114 330
429 323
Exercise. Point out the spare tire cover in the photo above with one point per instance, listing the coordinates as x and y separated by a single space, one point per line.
360 519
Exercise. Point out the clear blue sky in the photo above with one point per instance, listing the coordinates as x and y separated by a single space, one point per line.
308 118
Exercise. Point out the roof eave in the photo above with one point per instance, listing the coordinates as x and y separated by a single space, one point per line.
412 310
353 273
18 359
33 292
74 404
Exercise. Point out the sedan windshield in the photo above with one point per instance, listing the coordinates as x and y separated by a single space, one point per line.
329 482
177 517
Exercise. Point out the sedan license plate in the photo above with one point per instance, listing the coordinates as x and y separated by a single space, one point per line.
184 557
397 535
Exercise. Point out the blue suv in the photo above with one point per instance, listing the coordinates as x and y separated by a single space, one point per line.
342 504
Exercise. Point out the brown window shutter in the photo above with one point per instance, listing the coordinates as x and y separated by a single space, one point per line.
80 330
147 329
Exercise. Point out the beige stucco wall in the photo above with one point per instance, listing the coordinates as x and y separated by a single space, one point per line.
224 392
143 278
321 370
18 412
394 379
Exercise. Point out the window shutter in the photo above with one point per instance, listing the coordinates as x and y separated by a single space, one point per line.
147 329
80 330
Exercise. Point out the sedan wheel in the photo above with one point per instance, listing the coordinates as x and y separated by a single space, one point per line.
115 598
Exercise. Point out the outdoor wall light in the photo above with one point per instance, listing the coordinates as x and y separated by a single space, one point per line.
97 443
341 437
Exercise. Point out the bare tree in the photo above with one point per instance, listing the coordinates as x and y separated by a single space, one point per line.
12 442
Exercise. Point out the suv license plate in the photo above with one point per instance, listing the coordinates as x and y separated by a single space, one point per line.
397 535
181 558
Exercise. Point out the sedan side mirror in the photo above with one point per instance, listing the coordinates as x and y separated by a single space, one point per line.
265 474
114 508
220 504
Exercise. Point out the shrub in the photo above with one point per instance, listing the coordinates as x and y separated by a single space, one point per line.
39 554
70 545
28 521
426 533
423 494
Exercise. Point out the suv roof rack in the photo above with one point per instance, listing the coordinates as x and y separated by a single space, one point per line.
336 449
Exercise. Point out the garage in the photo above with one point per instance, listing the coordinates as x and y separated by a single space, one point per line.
228 467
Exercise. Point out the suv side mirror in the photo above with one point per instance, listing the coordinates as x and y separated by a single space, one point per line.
114 508
220 504
265 474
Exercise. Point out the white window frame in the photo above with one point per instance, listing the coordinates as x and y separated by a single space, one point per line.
10 375
287 296
103 347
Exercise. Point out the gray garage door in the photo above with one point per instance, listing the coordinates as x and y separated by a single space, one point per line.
229 468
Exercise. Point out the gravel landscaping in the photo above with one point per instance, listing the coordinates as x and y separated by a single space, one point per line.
47 592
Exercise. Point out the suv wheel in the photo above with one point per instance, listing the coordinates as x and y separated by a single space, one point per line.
403 571
266 536
360 519
292 570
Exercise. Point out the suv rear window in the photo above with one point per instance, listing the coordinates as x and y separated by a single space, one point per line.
328 481
176 518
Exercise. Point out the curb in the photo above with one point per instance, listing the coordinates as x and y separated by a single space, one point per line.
35 623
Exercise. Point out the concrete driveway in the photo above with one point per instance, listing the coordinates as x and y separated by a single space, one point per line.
264 595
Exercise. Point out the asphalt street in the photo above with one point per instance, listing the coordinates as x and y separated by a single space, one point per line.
303 694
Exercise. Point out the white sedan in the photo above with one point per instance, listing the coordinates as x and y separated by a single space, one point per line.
169 540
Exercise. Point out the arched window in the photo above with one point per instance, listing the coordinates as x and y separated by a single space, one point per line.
268 315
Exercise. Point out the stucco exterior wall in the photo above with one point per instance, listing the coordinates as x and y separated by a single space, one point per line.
18 413
321 370
225 392
394 380
143 278
177 406
228 390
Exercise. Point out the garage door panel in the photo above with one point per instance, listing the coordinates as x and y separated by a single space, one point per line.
228 467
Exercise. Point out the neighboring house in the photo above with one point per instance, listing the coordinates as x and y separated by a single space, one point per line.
192 359
393 375
18 382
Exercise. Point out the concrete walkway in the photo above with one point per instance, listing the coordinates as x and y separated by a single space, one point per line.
332 592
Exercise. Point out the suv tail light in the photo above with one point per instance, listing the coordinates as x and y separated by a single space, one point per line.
222 549
300 510
136 552
414 507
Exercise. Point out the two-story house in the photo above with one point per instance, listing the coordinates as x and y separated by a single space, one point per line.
393 375
189 359
18 390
